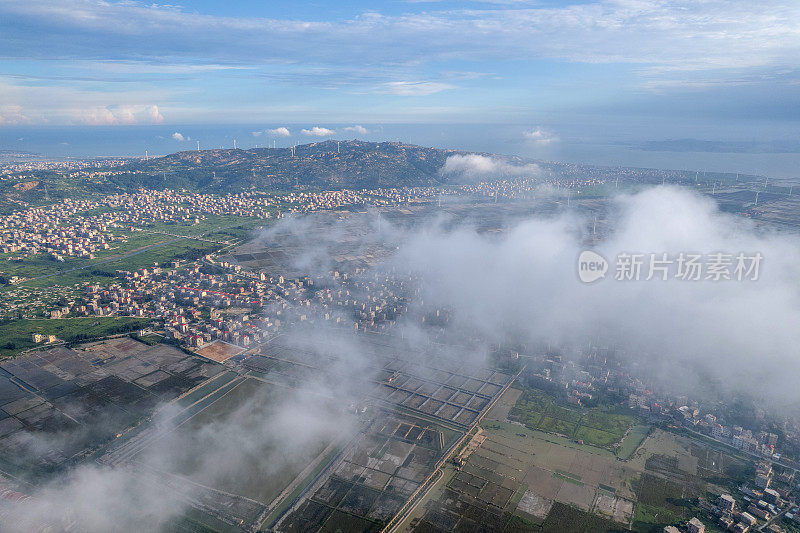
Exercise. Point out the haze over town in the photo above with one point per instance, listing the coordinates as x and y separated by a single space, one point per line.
399 266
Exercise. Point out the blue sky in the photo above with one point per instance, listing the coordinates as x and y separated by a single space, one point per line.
716 68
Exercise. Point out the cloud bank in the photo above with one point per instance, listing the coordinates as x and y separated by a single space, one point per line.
280 132
122 115
517 286
317 131
472 167
415 88
539 137
524 285
360 130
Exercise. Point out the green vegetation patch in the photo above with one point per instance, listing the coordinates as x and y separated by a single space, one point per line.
555 425
538 410
520 524
567 519
596 437
671 496
652 518
631 442
16 335
562 413
607 421
339 521
566 476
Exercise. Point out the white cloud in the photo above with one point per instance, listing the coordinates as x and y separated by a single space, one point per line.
682 33
153 115
473 167
415 88
277 132
360 130
280 132
667 42
12 115
525 283
178 136
115 115
539 136
317 131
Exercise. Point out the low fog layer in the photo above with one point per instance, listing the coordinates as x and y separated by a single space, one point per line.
525 284
274 429
475 167
520 285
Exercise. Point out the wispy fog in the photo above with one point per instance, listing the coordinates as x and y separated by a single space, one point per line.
518 285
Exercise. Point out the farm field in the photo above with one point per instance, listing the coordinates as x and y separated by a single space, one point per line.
522 479
538 410
631 441
16 335
254 479
157 243
369 482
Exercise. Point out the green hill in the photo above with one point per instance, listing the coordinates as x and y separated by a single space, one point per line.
328 164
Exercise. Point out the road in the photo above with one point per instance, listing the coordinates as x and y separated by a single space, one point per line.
743 453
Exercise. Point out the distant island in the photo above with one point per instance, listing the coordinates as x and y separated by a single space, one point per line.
727 147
